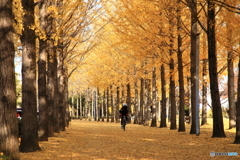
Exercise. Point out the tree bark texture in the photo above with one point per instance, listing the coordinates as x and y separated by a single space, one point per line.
147 102
42 74
218 128
65 100
136 104
181 121
50 88
98 105
107 105
9 144
117 105
163 122
231 95
194 69
29 125
141 101
129 102
111 105
104 106
237 137
204 94
173 124
154 98
181 127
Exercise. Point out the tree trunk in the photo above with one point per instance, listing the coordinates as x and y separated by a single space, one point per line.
65 100
218 129
77 116
204 94
71 105
93 101
98 105
173 124
169 107
136 104
141 102
89 105
154 98
181 88
195 129
237 137
231 96
57 107
80 106
123 95
189 100
117 105
181 122
42 83
60 73
95 104
112 108
9 144
107 105
146 102
50 89
103 106
181 95
29 122
129 102
163 122
60 93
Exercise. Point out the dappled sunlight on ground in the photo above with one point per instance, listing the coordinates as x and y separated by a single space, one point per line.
88 140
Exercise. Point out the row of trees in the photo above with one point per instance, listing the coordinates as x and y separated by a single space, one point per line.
52 37
105 106
189 43
127 40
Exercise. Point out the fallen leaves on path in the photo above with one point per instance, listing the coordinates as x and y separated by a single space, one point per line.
88 140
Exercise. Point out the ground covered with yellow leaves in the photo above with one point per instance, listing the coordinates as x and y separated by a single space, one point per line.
88 140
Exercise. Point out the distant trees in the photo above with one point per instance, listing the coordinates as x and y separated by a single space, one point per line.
132 49
125 46
142 35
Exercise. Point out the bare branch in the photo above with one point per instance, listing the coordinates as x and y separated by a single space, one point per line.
228 7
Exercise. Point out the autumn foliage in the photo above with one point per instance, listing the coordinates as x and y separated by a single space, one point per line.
82 59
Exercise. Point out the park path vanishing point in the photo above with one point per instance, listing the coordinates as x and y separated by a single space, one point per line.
88 140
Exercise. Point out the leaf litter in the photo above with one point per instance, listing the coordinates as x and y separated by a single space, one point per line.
89 140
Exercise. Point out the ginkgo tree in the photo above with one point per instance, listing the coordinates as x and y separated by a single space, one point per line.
230 28
143 33
127 56
104 47
59 31
9 145
73 40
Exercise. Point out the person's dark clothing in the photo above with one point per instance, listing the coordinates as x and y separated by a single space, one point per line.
123 112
